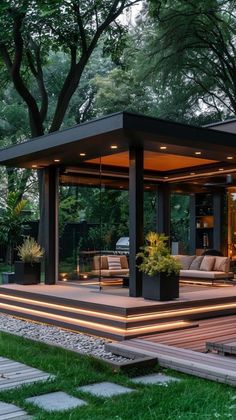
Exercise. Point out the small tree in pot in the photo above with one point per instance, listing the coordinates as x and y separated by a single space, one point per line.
161 270
27 271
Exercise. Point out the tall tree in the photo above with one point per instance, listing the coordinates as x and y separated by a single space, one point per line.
194 43
31 29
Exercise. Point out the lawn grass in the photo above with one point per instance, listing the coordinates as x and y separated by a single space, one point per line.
192 398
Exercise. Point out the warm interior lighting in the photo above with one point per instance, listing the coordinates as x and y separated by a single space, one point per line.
230 157
166 177
193 173
82 154
198 153
221 169
34 166
163 147
56 160
114 146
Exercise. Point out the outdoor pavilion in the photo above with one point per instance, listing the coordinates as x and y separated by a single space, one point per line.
135 149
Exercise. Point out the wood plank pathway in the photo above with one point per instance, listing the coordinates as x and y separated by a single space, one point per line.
14 374
207 366
10 411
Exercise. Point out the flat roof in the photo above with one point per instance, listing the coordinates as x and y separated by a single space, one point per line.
94 139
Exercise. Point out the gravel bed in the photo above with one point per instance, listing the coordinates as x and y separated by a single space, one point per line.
82 343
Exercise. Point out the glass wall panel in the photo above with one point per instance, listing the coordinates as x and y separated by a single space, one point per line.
150 207
93 221
180 217
79 223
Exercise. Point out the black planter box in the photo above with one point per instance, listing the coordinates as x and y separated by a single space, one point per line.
8 278
27 273
161 286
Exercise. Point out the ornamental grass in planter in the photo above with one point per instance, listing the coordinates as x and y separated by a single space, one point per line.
27 271
160 269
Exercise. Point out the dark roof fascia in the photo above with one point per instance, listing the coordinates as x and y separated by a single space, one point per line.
81 131
140 122
132 124
229 121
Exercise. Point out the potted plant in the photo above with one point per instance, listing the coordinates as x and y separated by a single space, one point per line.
27 271
160 269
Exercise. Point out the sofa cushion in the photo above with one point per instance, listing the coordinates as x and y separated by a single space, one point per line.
113 263
195 265
222 264
110 273
124 262
184 260
207 263
198 274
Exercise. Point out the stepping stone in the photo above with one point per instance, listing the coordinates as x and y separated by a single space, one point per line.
105 389
10 411
156 378
14 374
56 401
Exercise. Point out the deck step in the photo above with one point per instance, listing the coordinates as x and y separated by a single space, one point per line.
98 316
212 367
105 322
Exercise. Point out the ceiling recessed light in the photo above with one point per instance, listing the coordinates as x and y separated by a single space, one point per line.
221 169
82 154
230 157
56 160
166 177
192 173
34 166
114 146
147 188
198 153
163 147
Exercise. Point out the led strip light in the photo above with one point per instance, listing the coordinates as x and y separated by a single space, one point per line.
89 324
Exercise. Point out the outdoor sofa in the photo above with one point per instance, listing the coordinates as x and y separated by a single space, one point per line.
110 265
204 267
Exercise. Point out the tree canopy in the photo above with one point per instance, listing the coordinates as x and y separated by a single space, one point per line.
31 29
193 44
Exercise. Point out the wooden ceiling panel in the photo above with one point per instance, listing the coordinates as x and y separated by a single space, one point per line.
154 161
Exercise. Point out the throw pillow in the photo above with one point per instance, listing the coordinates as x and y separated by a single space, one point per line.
207 263
196 263
114 263
185 260
222 264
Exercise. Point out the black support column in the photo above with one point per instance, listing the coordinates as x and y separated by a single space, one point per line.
163 209
50 224
218 219
135 218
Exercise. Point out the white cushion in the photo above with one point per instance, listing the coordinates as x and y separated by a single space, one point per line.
196 263
205 274
222 264
184 260
114 263
207 263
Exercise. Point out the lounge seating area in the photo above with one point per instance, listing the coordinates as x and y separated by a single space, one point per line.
110 265
200 268
205 267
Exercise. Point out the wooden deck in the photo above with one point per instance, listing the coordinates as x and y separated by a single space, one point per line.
221 330
207 366
112 313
